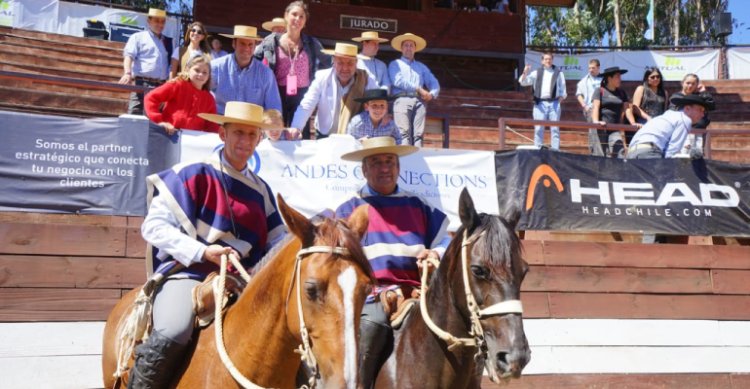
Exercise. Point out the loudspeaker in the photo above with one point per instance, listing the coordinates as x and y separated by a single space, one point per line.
724 24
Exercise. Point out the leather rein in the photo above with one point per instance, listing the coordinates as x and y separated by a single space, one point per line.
477 332
305 349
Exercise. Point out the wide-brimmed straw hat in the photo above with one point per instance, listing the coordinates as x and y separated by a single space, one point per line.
682 100
374 94
369 36
275 22
418 40
342 50
241 113
612 71
157 13
244 32
379 145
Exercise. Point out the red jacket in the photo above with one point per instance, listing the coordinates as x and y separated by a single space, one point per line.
182 104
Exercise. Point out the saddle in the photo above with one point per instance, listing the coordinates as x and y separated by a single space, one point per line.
204 304
396 305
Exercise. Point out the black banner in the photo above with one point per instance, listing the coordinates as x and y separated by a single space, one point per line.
91 166
561 191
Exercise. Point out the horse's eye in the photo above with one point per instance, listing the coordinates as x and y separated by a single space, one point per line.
480 271
313 290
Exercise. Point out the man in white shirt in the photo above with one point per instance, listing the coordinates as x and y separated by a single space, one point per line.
549 91
585 93
664 136
146 58
334 92
366 60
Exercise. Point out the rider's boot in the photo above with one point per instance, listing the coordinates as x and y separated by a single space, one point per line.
156 360
373 340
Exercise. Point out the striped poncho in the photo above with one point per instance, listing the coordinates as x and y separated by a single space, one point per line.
195 195
400 226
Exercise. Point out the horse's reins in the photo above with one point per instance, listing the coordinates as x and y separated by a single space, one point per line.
305 349
477 332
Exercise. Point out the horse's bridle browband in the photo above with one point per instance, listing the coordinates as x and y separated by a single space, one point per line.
305 349
477 332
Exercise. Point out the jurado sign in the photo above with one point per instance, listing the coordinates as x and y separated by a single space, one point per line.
369 24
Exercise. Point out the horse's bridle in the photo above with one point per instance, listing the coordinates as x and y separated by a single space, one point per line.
305 349
476 314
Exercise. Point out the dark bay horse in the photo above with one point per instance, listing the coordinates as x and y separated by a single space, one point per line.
494 270
262 329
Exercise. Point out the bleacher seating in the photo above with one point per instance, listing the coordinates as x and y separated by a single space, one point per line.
472 113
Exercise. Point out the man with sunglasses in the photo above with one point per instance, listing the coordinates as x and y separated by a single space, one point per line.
146 58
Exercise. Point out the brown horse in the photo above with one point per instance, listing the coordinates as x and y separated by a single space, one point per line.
494 269
262 329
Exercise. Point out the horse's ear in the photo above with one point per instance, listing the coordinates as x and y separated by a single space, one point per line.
466 211
512 216
359 220
296 222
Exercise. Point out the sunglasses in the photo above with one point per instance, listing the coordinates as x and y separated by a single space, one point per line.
198 31
654 77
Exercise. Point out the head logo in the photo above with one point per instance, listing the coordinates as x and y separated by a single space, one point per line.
547 175
253 163
570 60
672 61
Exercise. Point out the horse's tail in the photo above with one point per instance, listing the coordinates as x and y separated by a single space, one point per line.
134 329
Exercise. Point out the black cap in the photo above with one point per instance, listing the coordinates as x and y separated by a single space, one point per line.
374 94
613 70
691 99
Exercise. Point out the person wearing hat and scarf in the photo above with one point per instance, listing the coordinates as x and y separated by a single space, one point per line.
146 58
366 60
240 77
198 212
414 86
371 122
664 135
549 90
404 229
611 105
334 92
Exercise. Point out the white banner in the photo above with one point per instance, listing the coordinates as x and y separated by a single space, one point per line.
738 62
673 65
61 17
312 176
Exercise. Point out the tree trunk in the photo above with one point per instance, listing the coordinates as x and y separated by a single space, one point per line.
618 33
676 23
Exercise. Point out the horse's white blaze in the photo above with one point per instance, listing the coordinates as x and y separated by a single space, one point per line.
348 281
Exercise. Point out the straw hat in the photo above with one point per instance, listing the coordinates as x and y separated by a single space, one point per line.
369 36
420 42
240 113
157 13
342 50
379 145
275 22
244 32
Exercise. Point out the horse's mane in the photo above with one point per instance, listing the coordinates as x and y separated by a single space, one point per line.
336 233
500 243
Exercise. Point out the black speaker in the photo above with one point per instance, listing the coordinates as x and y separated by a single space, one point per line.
724 24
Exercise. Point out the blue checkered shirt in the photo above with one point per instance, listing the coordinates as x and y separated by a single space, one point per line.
254 84
361 126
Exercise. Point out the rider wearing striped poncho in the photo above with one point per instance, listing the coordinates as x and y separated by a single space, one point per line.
403 229
198 212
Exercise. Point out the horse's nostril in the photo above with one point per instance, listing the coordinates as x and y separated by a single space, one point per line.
502 359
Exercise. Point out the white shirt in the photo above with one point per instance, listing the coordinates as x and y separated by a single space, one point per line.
668 131
530 79
586 88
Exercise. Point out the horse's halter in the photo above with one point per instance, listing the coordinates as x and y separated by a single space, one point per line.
476 314
305 349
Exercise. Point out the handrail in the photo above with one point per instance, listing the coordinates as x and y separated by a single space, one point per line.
74 82
579 126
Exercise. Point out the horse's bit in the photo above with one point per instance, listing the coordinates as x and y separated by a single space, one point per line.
477 314
305 350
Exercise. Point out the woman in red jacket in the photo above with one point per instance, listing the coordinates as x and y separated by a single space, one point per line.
177 103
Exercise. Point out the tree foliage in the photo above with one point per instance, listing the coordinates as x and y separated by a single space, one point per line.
592 23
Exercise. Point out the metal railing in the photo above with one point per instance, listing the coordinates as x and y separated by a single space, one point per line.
502 123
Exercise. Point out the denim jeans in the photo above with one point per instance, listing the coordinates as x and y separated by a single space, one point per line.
547 110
